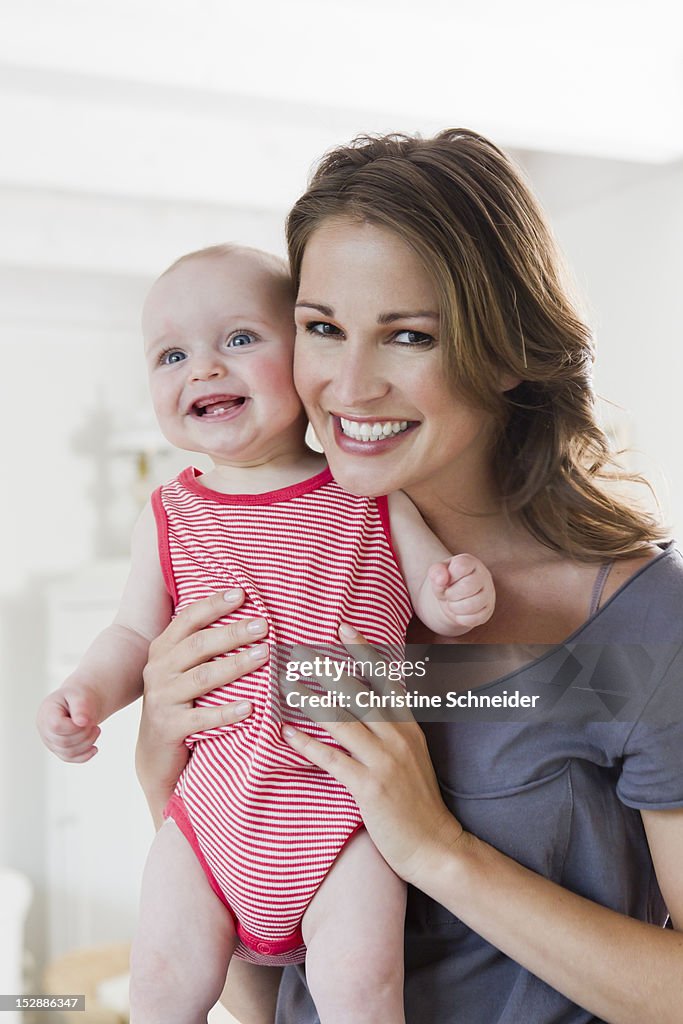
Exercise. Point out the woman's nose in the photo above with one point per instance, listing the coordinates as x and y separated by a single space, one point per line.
359 379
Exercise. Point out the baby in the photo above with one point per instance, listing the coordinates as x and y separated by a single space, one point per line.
261 855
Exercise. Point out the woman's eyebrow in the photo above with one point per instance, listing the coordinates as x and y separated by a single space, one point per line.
389 318
383 318
325 310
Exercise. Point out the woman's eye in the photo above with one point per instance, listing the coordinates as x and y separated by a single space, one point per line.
241 339
170 356
414 339
322 328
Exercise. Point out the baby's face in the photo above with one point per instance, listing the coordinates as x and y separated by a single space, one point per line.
219 339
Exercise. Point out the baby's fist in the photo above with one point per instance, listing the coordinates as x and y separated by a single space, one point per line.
67 723
464 588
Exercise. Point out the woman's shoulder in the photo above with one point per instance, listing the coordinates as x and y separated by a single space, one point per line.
625 570
659 563
643 599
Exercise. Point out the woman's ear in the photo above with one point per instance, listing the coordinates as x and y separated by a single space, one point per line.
508 381
312 439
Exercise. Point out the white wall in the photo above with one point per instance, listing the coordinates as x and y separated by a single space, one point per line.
626 249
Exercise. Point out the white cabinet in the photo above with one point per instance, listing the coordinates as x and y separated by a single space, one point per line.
99 829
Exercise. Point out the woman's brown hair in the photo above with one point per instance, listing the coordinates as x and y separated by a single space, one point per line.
465 209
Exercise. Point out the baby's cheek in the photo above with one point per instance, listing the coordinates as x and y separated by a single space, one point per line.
277 375
170 423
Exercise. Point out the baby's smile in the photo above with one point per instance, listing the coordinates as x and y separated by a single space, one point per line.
216 406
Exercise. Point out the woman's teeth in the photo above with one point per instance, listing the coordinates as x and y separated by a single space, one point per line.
372 431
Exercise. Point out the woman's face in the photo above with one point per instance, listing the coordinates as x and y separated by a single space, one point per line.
368 367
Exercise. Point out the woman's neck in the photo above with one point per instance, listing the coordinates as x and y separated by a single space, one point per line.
482 527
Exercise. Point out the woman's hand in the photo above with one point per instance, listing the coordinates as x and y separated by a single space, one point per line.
179 670
387 771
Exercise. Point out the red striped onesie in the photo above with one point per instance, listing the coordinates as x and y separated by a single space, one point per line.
266 824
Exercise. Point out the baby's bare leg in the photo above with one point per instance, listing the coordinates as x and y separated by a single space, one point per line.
353 930
250 992
184 940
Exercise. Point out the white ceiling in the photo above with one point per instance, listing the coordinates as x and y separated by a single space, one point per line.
229 102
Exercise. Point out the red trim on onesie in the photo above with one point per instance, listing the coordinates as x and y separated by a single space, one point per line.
383 508
162 544
175 810
190 478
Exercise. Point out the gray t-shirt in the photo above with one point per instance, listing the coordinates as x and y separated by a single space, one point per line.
557 788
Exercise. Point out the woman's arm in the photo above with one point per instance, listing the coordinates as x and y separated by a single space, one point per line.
180 669
622 970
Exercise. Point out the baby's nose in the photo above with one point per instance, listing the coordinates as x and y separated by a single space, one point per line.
206 368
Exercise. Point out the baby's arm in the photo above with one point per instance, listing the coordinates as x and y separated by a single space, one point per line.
109 675
451 594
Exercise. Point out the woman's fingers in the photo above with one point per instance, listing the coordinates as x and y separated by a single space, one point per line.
342 767
181 689
203 719
377 698
374 663
210 643
364 733
217 640
300 697
171 724
210 675
198 648
393 782
188 629
199 614
345 687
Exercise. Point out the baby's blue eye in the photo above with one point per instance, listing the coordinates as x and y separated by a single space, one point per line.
240 340
171 355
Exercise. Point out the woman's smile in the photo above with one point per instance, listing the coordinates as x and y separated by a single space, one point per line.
369 436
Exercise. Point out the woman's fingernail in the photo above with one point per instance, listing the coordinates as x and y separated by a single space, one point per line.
347 632
288 731
258 627
259 652
242 708
232 595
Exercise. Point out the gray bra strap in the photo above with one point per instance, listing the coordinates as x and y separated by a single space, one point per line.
599 586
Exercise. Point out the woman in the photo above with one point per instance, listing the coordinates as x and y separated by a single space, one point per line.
544 858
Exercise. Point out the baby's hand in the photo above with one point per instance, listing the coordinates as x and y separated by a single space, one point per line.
464 589
67 722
